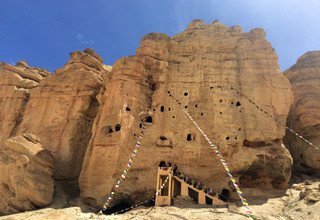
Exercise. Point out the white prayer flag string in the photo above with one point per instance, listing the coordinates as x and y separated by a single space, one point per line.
222 160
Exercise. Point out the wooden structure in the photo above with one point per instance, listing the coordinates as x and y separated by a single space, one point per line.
165 194
169 191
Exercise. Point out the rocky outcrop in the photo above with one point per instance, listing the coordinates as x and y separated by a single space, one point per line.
304 114
61 110
15 83
203 67
26 181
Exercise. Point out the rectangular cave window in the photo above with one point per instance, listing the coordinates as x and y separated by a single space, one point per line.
190 137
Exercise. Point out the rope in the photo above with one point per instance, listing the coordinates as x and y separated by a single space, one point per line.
267 113
124 173
221 158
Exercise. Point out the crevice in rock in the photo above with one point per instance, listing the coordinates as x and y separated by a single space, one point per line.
20 116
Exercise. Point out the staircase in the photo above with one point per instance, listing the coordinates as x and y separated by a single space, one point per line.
185 190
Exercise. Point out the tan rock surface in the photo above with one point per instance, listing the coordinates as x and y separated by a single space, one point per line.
26 181
15 82
62 108
304 116
198 67
286 207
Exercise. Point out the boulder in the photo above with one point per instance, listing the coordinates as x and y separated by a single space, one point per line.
26 181
304 116
214 71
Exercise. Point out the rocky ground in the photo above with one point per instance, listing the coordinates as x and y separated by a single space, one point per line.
301 201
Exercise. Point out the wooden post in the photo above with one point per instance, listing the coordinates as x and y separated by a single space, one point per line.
201 197
184 189
161 199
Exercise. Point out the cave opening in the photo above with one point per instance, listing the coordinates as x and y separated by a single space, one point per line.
162 108
196 106
153 87
238 104
227 138
128 109
149 119
163 138
124 204
108 129
225 195
118 127
185 94
190 137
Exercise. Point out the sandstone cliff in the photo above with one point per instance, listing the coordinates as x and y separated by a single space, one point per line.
26 181
198 66
304 116
15 83
61 110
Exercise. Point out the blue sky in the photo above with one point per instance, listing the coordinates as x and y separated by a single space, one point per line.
44 32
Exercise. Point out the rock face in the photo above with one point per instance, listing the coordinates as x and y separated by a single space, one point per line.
61 110
15 83
26 179
199 67
304 116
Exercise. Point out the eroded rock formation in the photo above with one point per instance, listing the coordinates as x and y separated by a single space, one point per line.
26 181
199 67
15 83
61 110
304 116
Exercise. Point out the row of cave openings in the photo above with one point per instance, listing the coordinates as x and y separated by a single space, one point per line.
149 120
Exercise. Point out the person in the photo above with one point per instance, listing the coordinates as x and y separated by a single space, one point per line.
210 192
204 188
162 164
174 168
199 185
195 183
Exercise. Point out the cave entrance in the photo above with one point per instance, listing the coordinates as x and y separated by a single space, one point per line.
225 195
122 205
149 120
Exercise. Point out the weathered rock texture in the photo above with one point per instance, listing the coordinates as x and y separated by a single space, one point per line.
15 83
304 116
198 67
26 179
62 108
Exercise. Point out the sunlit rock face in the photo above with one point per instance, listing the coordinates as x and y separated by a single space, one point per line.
304 116
62 108
15 85
198 66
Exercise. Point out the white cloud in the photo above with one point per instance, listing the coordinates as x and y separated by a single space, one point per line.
81 38
88 42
